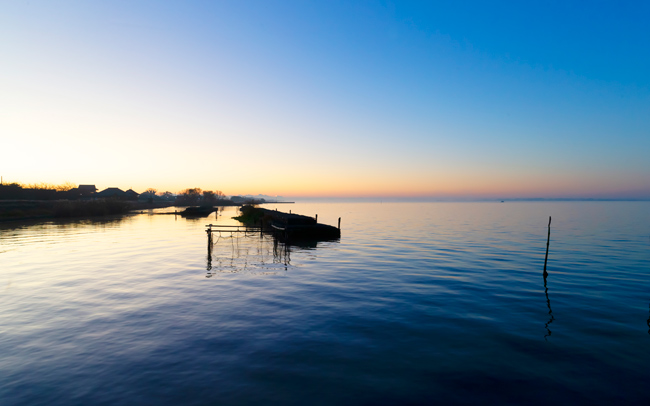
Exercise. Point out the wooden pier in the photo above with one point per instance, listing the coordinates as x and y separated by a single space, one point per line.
289 225
286 226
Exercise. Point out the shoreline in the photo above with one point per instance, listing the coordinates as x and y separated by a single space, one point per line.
22 210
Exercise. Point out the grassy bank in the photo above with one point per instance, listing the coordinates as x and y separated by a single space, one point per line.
11 210
24 209
250 215
91 208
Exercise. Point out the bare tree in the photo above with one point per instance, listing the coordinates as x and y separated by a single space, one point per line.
189 196
64 187
166 195
209 197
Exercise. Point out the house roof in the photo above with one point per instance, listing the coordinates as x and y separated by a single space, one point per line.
87 188
111 191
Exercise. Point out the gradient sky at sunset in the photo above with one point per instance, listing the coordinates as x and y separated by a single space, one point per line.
329 98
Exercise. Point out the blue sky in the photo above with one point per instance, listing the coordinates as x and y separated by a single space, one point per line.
433 99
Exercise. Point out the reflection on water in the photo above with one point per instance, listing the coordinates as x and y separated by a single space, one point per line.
239 248
550 311
417 304
16 234
545 274
281 253
209 256
250 252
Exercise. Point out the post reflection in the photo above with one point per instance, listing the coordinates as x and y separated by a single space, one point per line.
281 253
545 274
550 311
209 259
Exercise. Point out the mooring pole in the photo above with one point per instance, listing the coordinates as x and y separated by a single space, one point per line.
339 223
317 218
548 239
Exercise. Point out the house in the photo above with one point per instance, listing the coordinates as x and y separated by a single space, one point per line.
81 192
131 194
86 191
111 192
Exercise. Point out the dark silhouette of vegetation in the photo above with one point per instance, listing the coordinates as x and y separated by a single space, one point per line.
40 200
189 197
82 208
10 210
33 209
149 195
250 215
247 200
43 191
63 187
167 195
197 196
208 196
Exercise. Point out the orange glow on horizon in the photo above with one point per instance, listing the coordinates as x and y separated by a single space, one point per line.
389 184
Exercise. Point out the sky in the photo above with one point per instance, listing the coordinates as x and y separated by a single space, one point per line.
424 100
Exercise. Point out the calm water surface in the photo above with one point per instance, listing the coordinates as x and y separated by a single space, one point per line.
418 303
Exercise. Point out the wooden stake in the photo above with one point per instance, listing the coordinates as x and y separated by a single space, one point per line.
548 239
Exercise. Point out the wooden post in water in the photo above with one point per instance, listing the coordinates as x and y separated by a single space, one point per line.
209 231
339 223
548 239
317 218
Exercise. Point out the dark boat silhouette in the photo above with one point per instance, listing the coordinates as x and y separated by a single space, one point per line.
198 211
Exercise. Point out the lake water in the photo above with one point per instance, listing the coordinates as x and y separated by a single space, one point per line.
417 303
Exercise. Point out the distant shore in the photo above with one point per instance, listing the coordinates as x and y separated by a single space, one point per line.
17 210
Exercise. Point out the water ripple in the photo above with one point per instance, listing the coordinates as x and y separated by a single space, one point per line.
435 303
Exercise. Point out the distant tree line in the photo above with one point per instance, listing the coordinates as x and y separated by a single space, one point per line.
69 191
196 196
38 191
